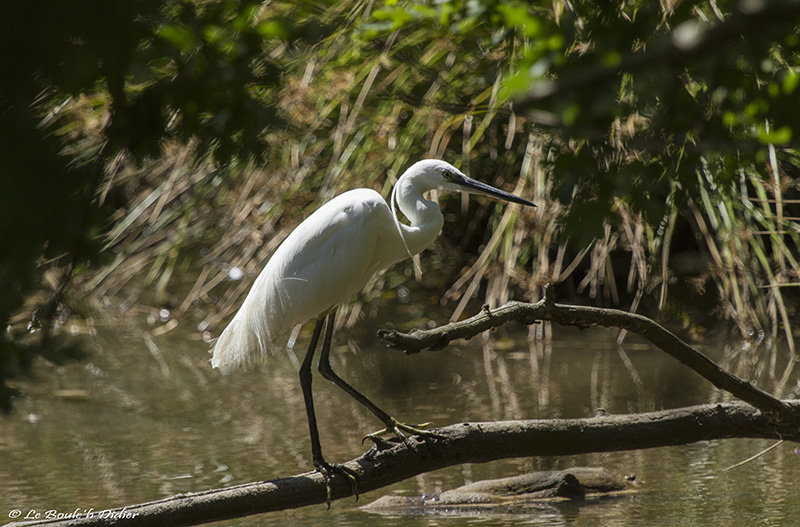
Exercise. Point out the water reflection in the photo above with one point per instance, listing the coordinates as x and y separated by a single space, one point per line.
146 417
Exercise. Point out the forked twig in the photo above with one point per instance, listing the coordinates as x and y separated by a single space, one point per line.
584 317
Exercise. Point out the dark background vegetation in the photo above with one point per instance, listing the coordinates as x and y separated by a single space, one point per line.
151 151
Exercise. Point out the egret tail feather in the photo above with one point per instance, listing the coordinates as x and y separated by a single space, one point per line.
245 337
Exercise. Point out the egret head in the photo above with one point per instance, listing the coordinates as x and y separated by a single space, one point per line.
432 174
424 215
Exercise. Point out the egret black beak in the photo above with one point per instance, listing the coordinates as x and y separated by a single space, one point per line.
476 187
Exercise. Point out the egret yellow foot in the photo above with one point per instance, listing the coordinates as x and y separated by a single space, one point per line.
328 469
397 428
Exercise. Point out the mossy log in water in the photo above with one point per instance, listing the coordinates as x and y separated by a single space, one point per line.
511 493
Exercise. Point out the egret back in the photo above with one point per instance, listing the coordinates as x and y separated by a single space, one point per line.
326 260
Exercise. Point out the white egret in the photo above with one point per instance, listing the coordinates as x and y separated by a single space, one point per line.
325 261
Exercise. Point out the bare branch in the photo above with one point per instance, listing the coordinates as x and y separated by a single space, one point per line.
460 443
584 317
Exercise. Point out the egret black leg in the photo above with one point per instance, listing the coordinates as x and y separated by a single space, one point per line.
308 397
325 468
392 424
327 371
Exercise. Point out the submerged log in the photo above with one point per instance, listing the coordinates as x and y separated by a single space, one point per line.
511 493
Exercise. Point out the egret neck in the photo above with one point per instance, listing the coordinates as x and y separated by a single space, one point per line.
425 218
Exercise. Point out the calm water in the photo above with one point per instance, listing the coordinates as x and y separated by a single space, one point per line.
145 417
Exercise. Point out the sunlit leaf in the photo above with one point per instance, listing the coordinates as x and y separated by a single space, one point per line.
273 29
781 136
179 36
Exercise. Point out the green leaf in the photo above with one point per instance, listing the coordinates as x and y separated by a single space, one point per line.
273 29
214 34
790 82
518 17
781 136
398 16
570 114
179 36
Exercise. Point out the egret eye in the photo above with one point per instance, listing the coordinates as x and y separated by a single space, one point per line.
448 175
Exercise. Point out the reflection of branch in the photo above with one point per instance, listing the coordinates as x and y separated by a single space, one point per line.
584 317
460 443
687 41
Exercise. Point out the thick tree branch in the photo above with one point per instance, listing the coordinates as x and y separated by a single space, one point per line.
583 317
460 443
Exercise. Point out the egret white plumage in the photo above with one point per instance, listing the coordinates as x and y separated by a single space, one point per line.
329 258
